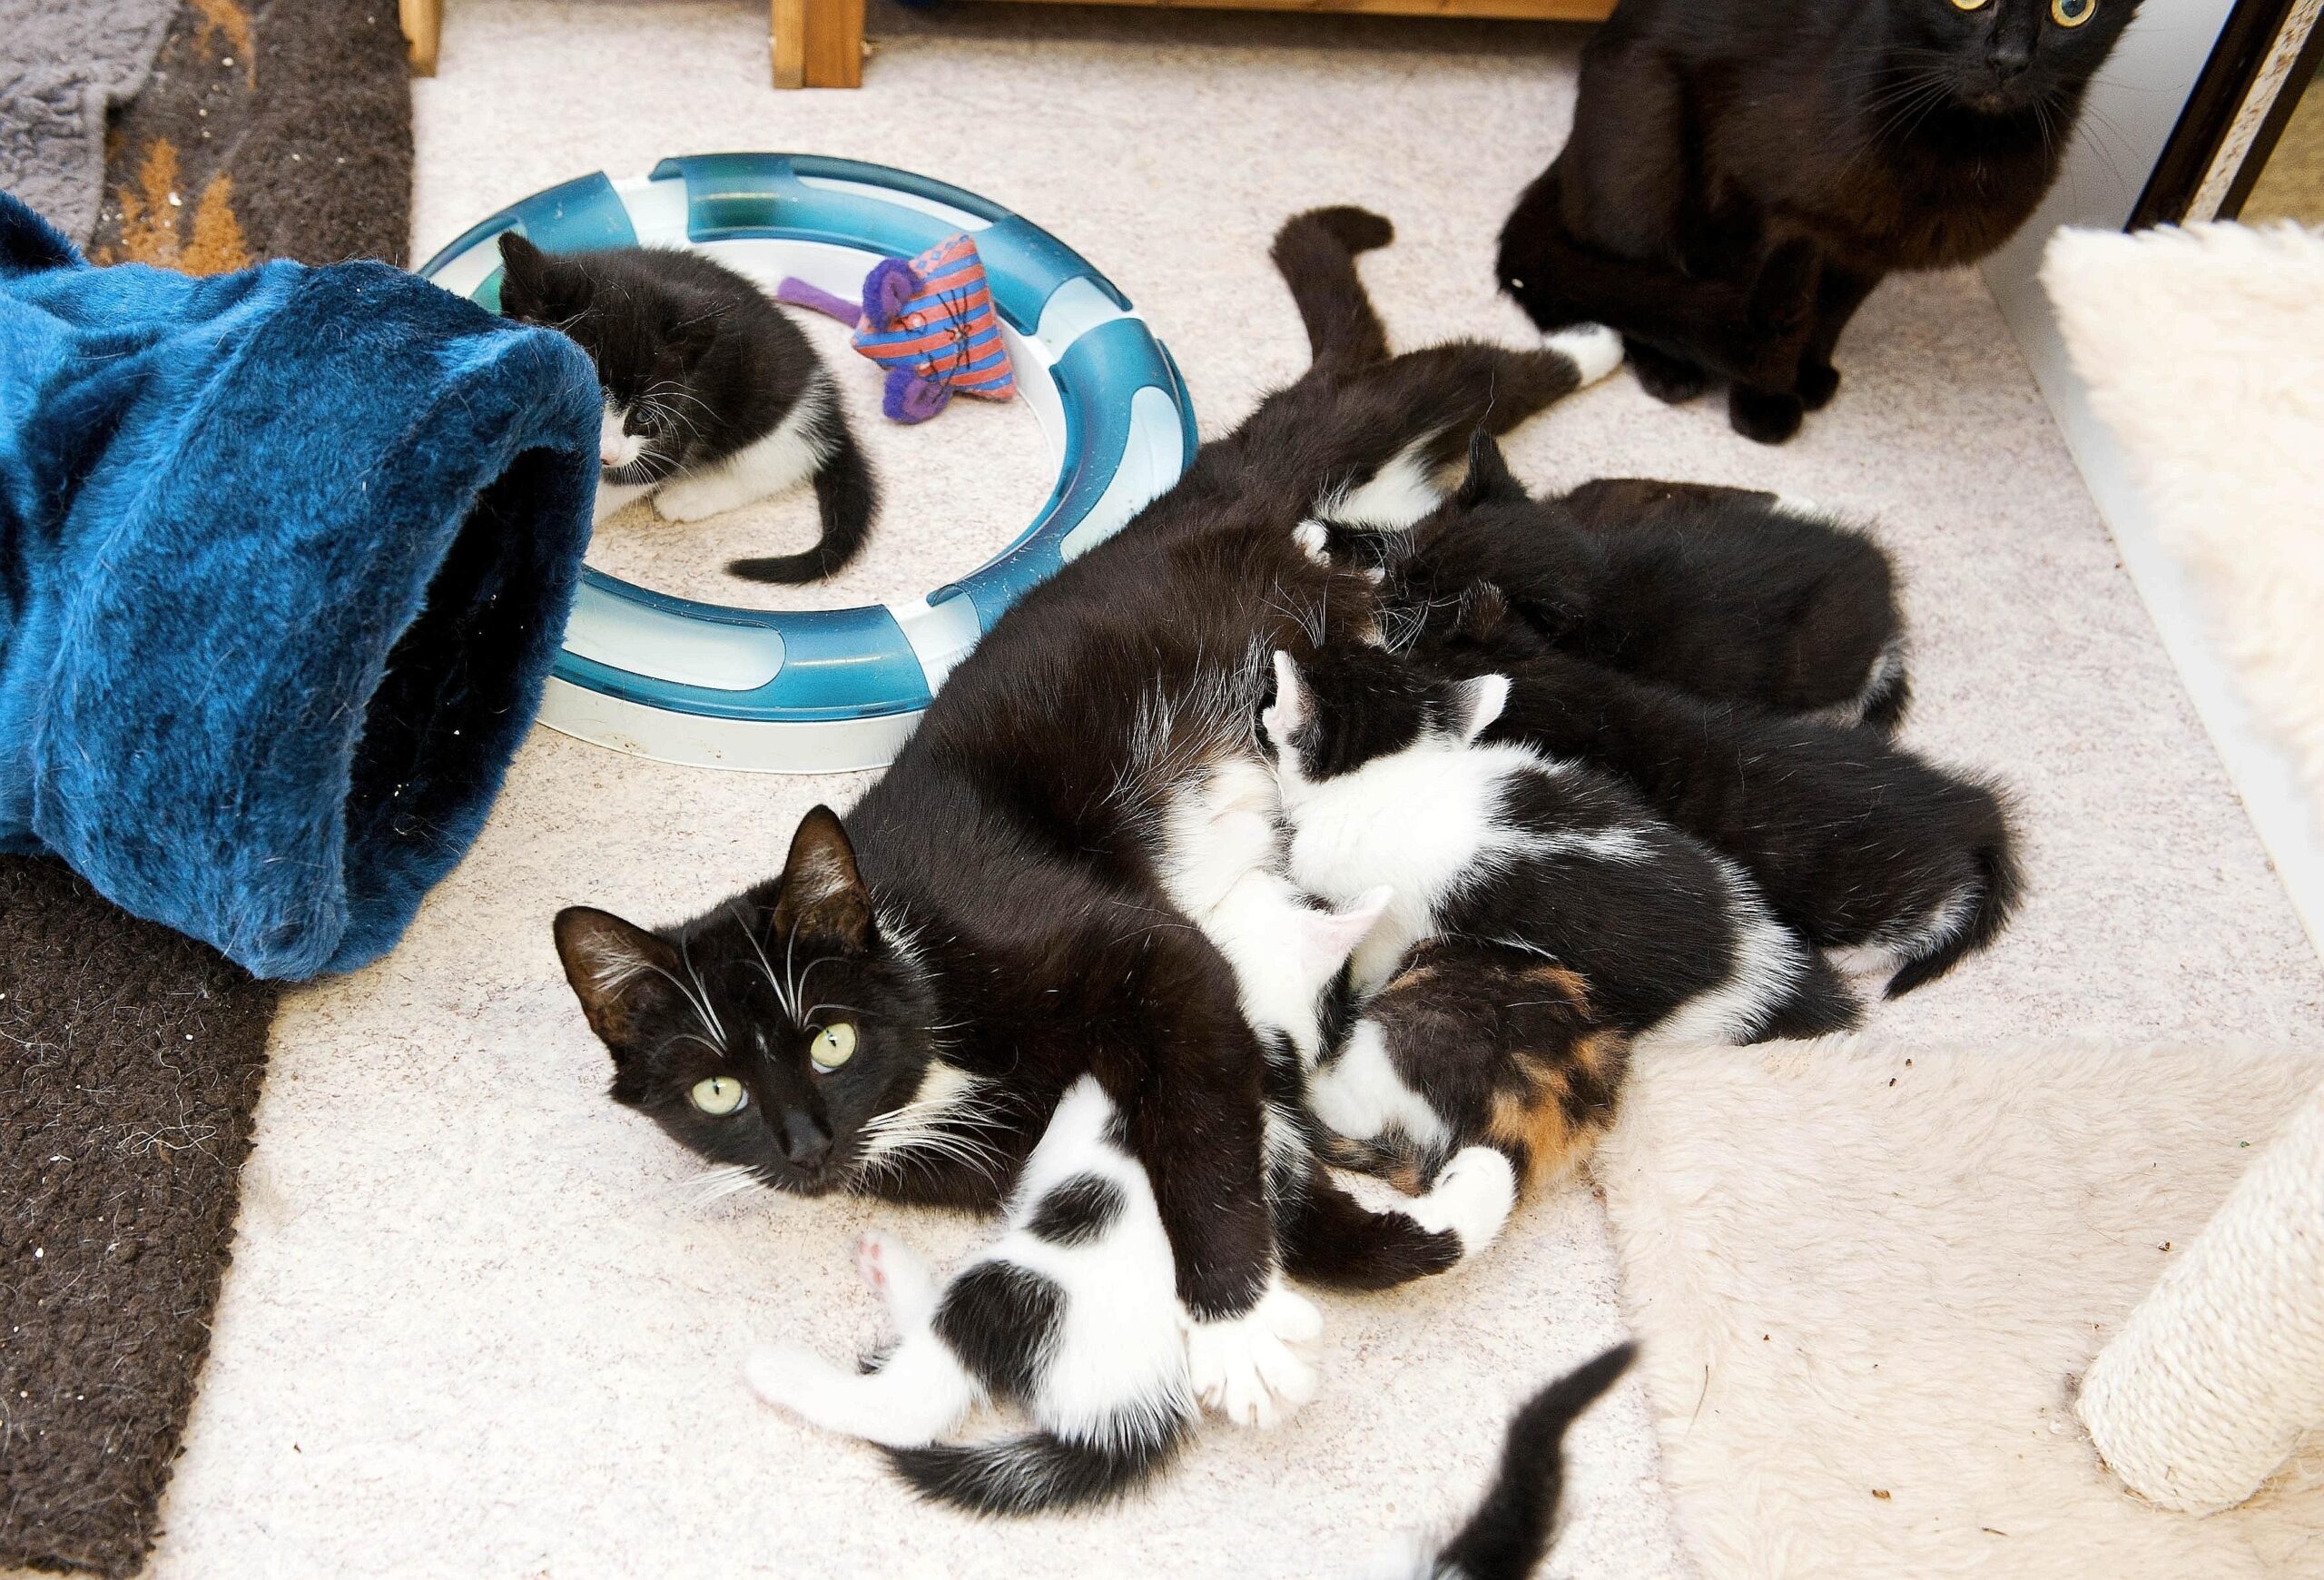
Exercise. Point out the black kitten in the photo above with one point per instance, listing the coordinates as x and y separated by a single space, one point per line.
1726 593
714 398
1857 844
1741 177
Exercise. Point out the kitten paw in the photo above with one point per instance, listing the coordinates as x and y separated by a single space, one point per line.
696 499
1594 350
1472 1197
1768 417
1818 382
1314 540
1672 380
785 1374
1244 1368
893 1271
1291 1316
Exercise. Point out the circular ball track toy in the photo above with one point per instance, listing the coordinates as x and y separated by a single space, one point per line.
819 691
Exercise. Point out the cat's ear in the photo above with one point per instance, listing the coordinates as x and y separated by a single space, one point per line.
1478 702
1489 481
822 894
620 971
524 276
1285 716
1326 938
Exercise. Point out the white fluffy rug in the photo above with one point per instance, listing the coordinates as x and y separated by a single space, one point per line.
2203 350
1866 1280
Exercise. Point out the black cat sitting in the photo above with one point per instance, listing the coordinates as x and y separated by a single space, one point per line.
1740 176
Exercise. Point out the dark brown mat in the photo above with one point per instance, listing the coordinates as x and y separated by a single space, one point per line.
130 1057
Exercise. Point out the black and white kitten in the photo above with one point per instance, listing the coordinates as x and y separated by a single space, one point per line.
1727 593
1383 780
714 397
1857 844
1072 1315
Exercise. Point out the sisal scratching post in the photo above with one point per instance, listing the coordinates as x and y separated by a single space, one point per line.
2199 1397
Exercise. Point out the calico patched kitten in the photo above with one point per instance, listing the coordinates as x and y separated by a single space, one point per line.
714 397
1472 1044
1383 780
1072 1316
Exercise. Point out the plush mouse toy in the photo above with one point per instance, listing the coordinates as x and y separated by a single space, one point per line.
930 322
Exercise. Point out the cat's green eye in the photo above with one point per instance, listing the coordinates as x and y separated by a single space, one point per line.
717 1094
1971 5
2072 13
834 1046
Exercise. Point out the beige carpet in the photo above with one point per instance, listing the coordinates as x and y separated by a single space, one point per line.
473 1327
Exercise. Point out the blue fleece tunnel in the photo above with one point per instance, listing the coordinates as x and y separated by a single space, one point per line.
285 557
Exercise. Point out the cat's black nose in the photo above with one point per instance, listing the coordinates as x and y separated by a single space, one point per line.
2009 56
805 1142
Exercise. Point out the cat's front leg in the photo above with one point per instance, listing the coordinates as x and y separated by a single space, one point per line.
612 496
698 495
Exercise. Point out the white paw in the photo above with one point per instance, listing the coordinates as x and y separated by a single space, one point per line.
1594 349
1472 1197
696 499
1342 1105
1314 540
1244 1368
1291 1316
784 1375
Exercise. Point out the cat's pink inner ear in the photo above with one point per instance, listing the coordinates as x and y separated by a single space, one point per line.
1333 935
1482 699
1283 717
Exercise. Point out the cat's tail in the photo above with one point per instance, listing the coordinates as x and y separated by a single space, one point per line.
1316 252
847 496
1040 1472
1508 1535
1974 916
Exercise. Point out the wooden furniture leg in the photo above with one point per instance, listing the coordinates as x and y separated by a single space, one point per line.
423 27
817 43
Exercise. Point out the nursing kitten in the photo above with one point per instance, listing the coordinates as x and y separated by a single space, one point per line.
1726 593
1072 1315
714 398
1857 844
1383 780
1509 1533
1725 158
1472 1044
902 1008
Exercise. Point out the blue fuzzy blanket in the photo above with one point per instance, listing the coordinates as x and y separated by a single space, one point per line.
285 557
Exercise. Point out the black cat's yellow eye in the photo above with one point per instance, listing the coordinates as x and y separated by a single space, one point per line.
718 1094
1971 5
834 1046
2072 13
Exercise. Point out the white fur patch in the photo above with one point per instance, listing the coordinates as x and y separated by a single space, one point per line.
1769 962
1361 1095
1314 540
616 446
1397 496
1594 349
1472 1197
786 457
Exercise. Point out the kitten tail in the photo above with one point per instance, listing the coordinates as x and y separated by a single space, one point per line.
1316 252
1038 1472
1990 896
846 497
1506 1537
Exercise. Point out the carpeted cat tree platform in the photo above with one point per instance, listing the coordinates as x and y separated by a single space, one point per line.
285 556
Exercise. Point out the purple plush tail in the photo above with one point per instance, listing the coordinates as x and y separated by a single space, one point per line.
799 293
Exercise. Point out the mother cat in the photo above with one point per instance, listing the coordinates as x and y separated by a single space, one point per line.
1740 176
900 1010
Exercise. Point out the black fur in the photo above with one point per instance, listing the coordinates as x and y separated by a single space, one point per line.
1721 592
1007 917
1739 178
997 1317
1510 1532
703 364
1077 1211
1035 1474
1849 836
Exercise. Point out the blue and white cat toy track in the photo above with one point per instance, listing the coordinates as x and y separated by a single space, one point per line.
819 691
